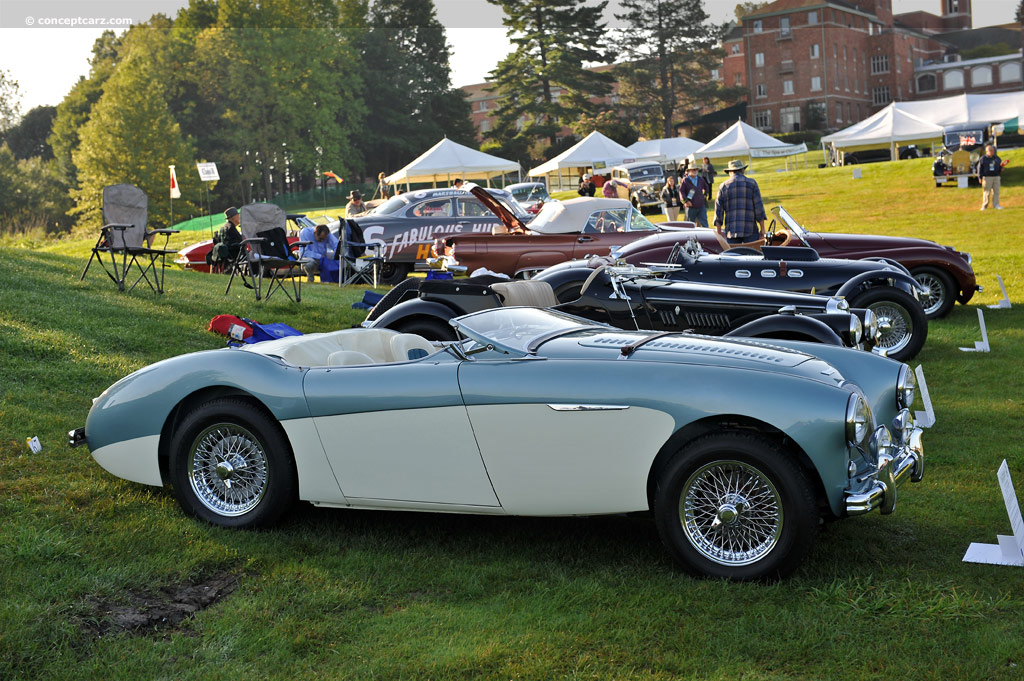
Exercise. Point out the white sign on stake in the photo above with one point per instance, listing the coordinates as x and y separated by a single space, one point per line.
982 345
1009 550
926 418
208 172
1005 302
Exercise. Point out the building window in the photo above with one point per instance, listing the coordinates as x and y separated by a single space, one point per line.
879 64
738 80
483 106
1009 72
982 75
758 26
839 112
763 119
485 125
789 118
812 18
762 90
815 83
927 83
714 74
784 26
835 50
953 80
815 51
736 48
880 95
787 87
759 59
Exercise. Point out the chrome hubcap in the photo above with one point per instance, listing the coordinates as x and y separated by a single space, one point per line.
933 299
731 513
227 469
895 327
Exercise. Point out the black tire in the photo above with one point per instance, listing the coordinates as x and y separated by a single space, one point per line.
392 273
227 441
430 328
729 490
902 324
942 291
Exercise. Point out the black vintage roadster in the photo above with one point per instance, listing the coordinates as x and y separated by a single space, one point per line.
630 298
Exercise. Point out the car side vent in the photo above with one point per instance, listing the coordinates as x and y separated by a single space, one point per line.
718 350
707 320
668 317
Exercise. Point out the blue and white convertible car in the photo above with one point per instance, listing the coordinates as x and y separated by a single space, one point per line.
738 448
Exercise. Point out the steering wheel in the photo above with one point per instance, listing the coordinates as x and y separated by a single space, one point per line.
591 278
673 256
770 232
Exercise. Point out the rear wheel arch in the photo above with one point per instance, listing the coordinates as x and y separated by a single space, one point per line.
730 423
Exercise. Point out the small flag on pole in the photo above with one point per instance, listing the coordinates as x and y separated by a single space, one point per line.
337 179
175 192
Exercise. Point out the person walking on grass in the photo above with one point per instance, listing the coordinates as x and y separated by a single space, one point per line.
739 212
990 168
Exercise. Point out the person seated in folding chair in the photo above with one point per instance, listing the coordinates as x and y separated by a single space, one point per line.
124 235
317 249
266 254
226 243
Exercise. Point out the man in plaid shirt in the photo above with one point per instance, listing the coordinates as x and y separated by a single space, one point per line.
738 208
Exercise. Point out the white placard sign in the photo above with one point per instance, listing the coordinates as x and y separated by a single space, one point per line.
208 172
1009 550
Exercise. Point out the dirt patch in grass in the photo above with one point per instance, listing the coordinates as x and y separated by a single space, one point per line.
159 612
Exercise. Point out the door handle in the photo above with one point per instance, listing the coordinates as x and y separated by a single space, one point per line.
585 239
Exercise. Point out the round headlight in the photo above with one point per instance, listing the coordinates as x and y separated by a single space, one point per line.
856 329
870 325
906 388
902 427
859 421
881 444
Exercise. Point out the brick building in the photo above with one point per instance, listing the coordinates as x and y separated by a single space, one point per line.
829 64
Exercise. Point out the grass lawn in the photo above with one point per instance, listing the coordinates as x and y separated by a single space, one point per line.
86 557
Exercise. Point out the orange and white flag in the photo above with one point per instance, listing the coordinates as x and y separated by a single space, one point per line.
175 192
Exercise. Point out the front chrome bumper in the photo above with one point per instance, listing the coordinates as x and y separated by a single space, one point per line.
891 473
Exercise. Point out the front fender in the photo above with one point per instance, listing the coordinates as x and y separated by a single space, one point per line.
414 308
788 326
866 280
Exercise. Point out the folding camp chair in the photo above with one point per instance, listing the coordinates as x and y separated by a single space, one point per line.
360 262
265 253
125 236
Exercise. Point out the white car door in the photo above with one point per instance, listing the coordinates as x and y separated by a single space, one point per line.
397 435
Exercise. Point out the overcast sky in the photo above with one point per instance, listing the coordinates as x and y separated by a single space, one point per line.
47 61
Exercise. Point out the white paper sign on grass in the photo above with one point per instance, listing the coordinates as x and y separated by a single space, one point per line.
982 345
1009 550
1005 302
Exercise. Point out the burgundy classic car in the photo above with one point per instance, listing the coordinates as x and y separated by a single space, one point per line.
944 271
562 231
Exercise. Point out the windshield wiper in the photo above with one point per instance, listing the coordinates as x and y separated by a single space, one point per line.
531 349
627 350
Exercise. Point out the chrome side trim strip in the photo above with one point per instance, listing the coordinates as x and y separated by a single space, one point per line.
589 407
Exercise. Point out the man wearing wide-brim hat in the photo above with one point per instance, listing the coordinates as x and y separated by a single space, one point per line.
355 206
739 212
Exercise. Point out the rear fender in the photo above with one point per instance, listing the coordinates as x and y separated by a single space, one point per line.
792 327
415 308
866 280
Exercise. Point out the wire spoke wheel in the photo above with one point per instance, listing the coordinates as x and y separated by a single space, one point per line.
895 325
731 513
935 298
228 469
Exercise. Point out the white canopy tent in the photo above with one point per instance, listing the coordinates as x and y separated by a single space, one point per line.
745 140
593 151
666 149
890 127
447 161
967 109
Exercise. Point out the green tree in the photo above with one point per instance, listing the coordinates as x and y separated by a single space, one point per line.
30 196
744 8
131 137
670 49
27 139
10 101
408 85
543 84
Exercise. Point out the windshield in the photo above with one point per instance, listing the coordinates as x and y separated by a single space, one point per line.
390 206
514 329
638 223
787 221
533 192
646 173
968 139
